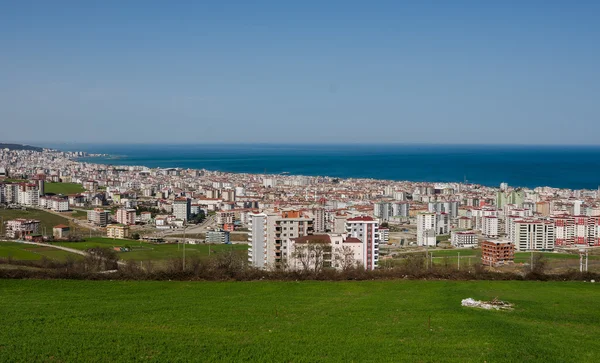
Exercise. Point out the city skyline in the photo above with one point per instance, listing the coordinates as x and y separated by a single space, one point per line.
466 73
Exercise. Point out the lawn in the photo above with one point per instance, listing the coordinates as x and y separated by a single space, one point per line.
63 188
108 321
142 251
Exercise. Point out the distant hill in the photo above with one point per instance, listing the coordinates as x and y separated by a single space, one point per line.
20 147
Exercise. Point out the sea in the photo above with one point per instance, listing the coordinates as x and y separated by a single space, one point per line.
574 167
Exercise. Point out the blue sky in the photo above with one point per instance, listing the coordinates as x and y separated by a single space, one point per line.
504 72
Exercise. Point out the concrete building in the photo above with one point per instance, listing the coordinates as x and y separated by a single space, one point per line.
400 209
217 237
98 216
366 229
28 194
384 235
450 208
117 231
497 253
319 220
490 226
126 216
465 223
61 231
269 235
182 208
534 235
426 229
19 228
315 252
383 210
463 239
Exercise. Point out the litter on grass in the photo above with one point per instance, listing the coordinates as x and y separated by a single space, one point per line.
487 305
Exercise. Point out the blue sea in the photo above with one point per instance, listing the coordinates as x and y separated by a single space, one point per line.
524 166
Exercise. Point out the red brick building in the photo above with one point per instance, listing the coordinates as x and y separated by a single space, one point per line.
497 253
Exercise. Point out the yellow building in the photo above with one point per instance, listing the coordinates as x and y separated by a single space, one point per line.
117 231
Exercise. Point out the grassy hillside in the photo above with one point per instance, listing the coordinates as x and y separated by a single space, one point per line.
141 251
296 322
47 219
63 188
20 251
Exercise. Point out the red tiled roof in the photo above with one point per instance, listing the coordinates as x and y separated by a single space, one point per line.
361 219
316 238
352 240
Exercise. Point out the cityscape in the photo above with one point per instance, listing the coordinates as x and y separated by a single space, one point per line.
356 222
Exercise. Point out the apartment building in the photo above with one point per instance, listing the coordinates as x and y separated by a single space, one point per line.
463 239
19 228
366 230
117 231
534 235
490 226
426 229
270 234
98 216
217 237
57 204
28 194
125 216
315 252
497 253
182 208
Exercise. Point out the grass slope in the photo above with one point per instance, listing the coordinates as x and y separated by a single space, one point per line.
47 219
141 251
299 322
20 251
63 188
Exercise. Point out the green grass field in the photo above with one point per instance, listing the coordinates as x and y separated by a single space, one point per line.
411 321
63 188
20 251
47 219
141 251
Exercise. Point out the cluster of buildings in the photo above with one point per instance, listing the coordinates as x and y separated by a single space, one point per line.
293 219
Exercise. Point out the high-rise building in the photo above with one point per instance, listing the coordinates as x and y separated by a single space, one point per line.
182 208
490 226
98 216
366 229
126 216
426 229
383 210
400 209
269 236
28 194
534 235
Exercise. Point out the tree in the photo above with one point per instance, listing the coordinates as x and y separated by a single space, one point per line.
135 236
344 257
312 256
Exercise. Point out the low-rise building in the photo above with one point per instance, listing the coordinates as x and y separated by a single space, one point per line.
19 228
117 231
217 237
497 253
463 239
61 231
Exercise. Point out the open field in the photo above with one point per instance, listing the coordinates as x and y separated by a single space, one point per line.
296 321
63 188
20 251
142 251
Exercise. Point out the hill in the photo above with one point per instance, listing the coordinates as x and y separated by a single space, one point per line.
20 147
107 321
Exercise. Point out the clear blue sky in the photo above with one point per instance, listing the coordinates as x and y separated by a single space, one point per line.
477 71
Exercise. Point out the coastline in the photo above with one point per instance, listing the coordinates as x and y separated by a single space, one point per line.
525 167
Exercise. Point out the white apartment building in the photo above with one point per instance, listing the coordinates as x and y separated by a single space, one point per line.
366 229
182 208
330 250
534 235
464 239
490 226
426 229
28 195
57 204
479 213
98 216
270 234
